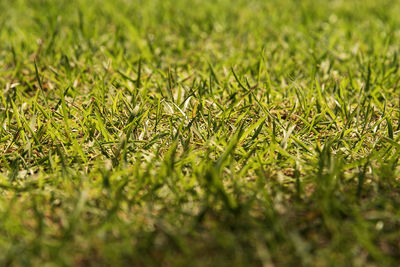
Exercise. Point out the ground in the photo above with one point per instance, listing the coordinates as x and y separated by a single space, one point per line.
199 133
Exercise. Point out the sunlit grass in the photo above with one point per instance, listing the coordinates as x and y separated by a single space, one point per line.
199 133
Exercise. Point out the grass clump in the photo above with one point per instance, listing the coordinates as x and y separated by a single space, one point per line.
199 132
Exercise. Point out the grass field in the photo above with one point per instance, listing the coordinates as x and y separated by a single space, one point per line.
199 133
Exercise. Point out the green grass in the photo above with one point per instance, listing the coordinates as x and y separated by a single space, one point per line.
199 133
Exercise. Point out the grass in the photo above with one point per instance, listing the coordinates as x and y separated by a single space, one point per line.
201 133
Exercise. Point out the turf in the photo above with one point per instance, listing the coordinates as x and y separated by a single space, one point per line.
200 133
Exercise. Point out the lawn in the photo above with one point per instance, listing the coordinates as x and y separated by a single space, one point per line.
199 133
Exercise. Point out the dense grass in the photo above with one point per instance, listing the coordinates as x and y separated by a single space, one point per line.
199 132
